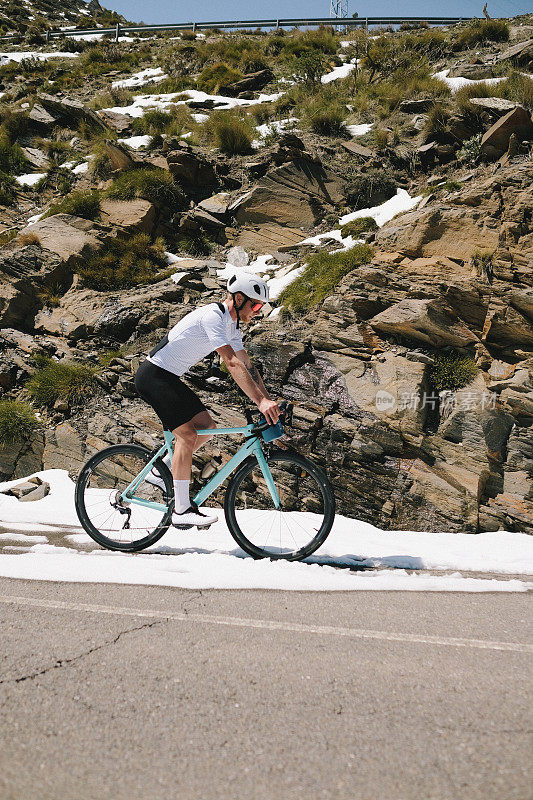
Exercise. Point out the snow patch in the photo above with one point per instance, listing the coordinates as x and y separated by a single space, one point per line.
30 179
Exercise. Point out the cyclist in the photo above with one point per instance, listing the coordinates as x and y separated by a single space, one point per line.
158 381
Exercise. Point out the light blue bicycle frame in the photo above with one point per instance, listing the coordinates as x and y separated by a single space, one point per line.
251 447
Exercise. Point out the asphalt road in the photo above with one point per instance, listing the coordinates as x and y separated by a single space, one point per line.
133 692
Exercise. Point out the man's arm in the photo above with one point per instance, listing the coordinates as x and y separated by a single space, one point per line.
252 369
244 378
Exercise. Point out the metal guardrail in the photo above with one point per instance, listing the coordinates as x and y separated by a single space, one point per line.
345 22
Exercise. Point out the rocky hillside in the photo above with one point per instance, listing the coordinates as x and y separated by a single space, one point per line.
36 16
382 184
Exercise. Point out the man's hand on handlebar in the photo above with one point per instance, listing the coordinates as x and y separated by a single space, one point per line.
270 410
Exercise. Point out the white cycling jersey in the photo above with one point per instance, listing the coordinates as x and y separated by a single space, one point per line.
196 336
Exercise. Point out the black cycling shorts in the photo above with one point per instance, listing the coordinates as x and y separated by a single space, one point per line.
172 400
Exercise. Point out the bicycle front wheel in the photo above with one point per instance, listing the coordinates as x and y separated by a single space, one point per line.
111 522
294 530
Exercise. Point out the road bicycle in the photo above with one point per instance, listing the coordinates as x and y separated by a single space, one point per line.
278 504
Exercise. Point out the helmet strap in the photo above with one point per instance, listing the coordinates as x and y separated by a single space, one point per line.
238 308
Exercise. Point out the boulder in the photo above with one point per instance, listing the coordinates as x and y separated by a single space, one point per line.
517 121
238 257
67 236
456 233
37 158
519 52
191 169
71 112
474 72
426 321
83 313
294 194
416 106
358 149
40 118
217 205
118 155
121 123
23 270
391 387
506 327
251 83
267 237
496 106
129 215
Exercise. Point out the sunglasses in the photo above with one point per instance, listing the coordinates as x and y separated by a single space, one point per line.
256 306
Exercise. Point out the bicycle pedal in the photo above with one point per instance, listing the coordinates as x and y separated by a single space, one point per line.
183 527
203 527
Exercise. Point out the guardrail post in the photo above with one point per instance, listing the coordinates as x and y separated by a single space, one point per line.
366 25
194 27
117 32
47 36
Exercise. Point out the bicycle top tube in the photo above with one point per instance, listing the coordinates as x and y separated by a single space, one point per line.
245 430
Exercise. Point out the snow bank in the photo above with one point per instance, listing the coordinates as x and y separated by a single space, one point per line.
213 560
18 57
140 78
458 83
30 179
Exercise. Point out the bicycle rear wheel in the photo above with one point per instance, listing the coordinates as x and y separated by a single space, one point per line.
107 519
299 526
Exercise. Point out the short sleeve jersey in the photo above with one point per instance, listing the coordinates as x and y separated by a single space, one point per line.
196 336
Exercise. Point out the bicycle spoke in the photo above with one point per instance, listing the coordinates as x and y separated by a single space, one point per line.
292 529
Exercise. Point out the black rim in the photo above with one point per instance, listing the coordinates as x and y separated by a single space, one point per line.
105 513
280 534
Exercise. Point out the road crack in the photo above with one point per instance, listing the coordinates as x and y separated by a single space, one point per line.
68 661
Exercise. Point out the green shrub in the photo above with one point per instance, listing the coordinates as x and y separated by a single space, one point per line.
57 178
112 97
196 244
100 166
14 123
326 117
12 161
358 226
124 263
321 275
436 123
152 184
7 189
84 204
215 77
308 67
517 88
229 133
470 152
321 40
10 234
155 122
481 31
452 371
369 189
63 380
17 421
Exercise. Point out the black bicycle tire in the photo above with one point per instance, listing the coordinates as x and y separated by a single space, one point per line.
327 493
91 530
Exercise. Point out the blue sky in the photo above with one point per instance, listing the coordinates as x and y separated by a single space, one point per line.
166 11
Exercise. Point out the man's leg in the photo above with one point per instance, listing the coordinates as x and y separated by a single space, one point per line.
186 441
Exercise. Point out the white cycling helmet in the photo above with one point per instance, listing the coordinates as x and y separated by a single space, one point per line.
252 286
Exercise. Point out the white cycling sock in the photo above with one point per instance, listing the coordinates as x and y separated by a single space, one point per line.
167 460
181 496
